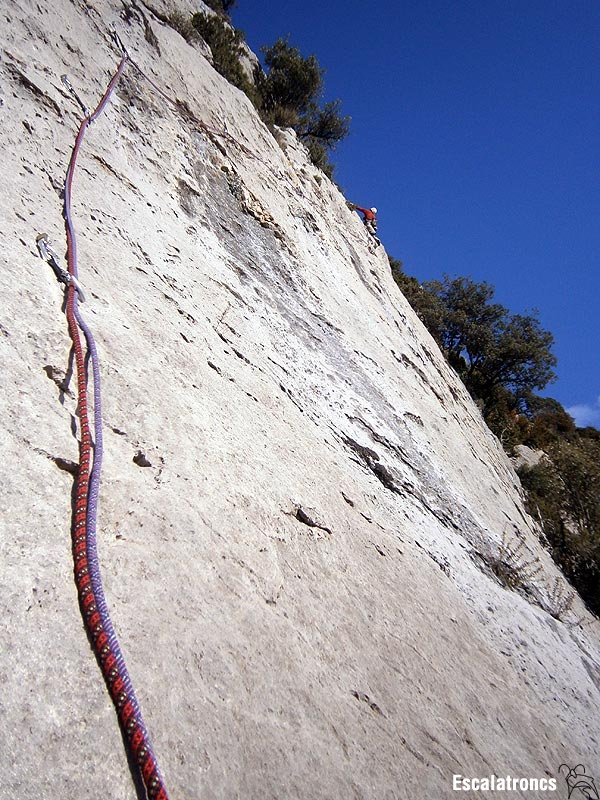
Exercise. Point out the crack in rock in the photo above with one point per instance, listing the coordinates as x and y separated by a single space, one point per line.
64 464
36 90
60 378
309 517
364 698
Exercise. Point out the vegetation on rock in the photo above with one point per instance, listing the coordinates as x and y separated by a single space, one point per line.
289 92
564 492
286 93
500 357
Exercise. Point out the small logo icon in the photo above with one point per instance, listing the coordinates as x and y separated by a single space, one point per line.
581 786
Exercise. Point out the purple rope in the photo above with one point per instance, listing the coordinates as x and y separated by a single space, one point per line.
92 519
95 476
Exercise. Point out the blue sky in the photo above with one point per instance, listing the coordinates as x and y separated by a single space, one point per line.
476 132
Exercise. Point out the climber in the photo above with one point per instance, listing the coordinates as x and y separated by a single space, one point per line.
369 219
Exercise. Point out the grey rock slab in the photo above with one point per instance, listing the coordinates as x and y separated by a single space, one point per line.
302 512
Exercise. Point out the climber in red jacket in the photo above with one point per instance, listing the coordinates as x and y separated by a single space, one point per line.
369 219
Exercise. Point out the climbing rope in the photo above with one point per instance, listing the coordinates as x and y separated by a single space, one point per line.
87 571
88 578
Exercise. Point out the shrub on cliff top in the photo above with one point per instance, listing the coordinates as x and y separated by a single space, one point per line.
286 94
289 91
493 351
290 84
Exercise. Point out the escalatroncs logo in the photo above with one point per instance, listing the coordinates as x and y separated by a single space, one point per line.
581 786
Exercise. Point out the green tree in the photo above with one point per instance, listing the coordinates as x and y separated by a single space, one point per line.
547 422
325 124
519 358
427 306
322 129
290 85
579 465
289 91
491 349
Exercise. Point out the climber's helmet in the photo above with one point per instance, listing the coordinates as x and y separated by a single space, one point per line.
374 210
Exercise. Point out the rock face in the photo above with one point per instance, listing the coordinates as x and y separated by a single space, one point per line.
315 554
